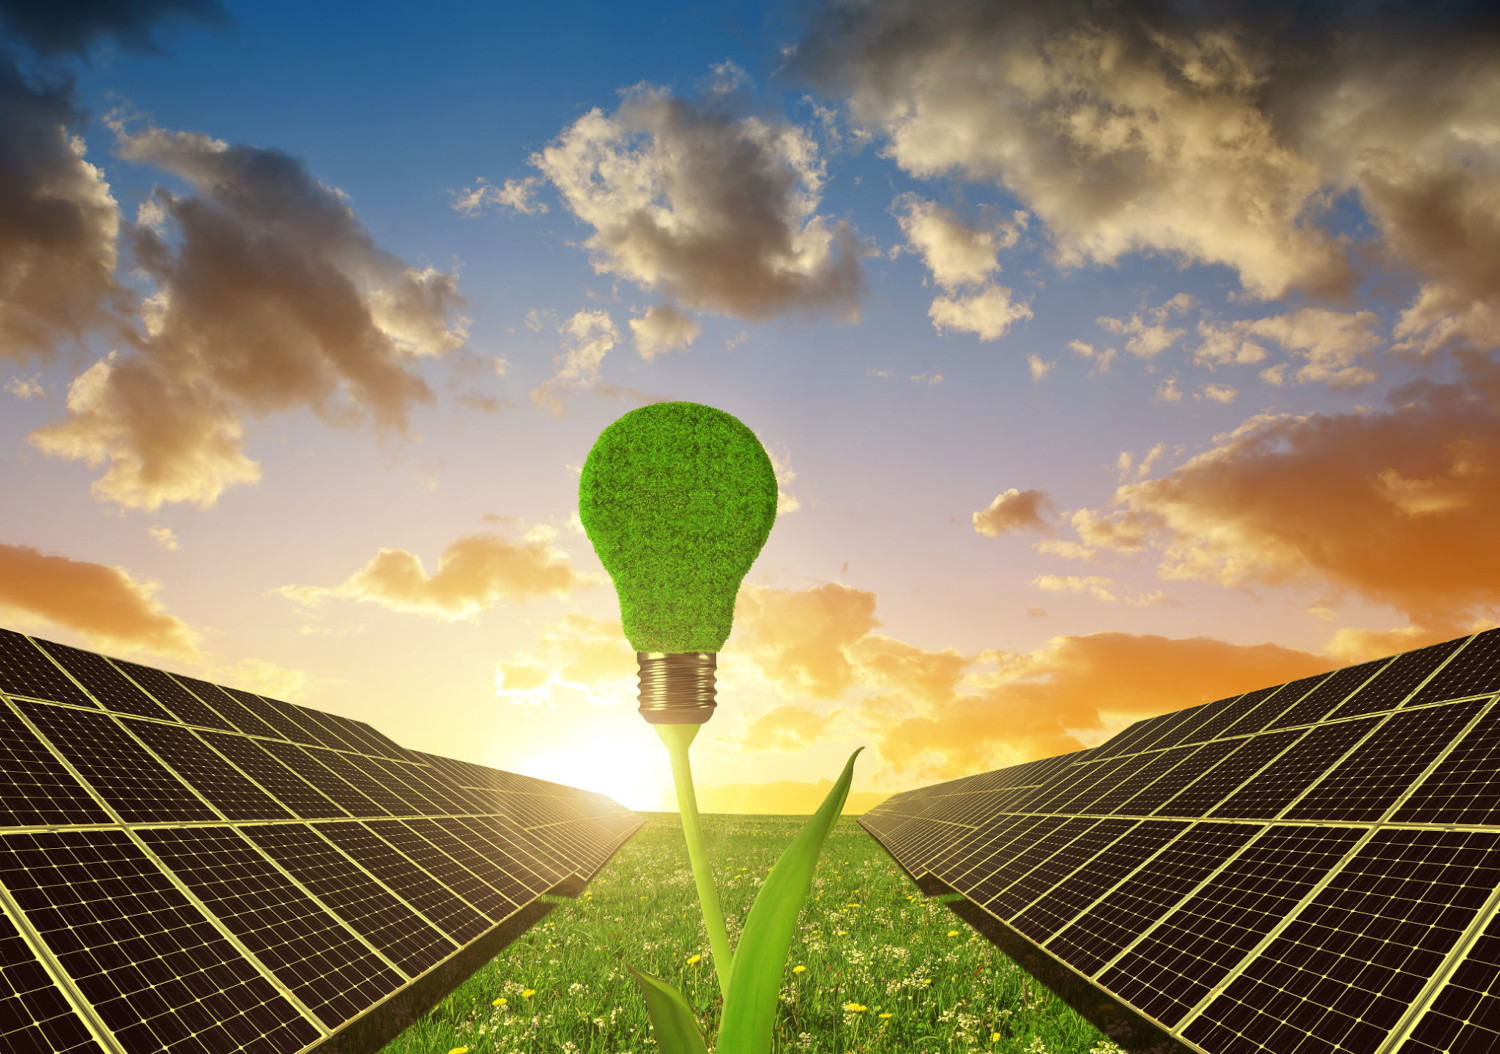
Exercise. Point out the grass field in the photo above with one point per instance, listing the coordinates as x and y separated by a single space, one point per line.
874 966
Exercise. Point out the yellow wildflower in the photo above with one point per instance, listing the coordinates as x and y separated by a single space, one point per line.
994 1037
885 1015
499 1002
459 1050
693 959
854 1008
840 933
953 933
798 969
528 993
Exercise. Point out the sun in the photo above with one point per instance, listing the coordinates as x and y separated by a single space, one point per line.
637 778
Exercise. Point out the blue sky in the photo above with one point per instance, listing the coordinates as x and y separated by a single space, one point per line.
1109 362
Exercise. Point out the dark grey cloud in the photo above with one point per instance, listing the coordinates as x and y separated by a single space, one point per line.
58 221
72 27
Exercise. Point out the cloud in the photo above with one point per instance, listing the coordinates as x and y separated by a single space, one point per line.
1072 693
1396 505
797 639
29 388
1100 589
164 537
1014 510
59 223
577 654
517 194
791 729
1219 393
663 328
1148 341
473 574
1331 342
272 298
988 313
51 28
955 253
591 335
106 605
715 210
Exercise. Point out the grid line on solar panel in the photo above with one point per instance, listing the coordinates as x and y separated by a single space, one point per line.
323 778
158 972
328 729
390 925
1112 921
1156 765
233 711
121 772
284 786
536 857
177 700
27 670
1345 969
1396 681
1216 726
1273 706
1055 797
1463 787
1121 772
110 688
325 964
1475 670
1124 741
36 786
1366 783
1159 727
342 766
991 838
1223 779
1198 717
1030 853
1059 905
992 866
476 892
1186 953
222 785
1318 703
273 715
1294 770
36 1013
1034 883
432 899
1464 1013
1153 796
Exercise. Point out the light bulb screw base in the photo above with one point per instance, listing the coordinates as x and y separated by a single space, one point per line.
677 688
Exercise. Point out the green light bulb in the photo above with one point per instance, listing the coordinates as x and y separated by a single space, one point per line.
678 499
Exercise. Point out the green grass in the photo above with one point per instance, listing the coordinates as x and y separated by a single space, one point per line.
866 937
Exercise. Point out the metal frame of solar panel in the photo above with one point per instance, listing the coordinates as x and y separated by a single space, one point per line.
187 868
1311 867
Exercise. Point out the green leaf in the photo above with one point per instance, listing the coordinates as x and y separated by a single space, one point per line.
676 1027
759 961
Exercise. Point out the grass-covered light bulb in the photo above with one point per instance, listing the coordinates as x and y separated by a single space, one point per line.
678 499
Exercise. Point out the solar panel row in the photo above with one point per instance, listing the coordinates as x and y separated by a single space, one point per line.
1310 867
194 869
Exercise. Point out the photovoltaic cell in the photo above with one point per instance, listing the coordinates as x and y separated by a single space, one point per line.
1346 968
158 973
1323 878
1187 953
35 788
1396 681
105 683
118 768
26 670
216 886
327 967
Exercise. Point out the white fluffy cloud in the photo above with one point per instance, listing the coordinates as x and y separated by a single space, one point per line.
663 328
714 209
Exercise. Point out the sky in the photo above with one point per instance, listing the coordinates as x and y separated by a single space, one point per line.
1112 358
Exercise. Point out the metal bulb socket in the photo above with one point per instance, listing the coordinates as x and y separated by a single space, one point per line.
677 688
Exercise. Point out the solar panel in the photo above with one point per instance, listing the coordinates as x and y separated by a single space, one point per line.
1311 867
187 868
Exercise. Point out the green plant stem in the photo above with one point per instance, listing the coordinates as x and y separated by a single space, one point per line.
677 738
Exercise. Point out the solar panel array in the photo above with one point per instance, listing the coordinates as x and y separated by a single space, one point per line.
1311 867
196 869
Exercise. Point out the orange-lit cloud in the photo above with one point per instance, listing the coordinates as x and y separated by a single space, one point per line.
473 574
797 639
106 605
585 655
1397 505
1015 510
1331 342
716 210
790 728
1072 692
272 297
